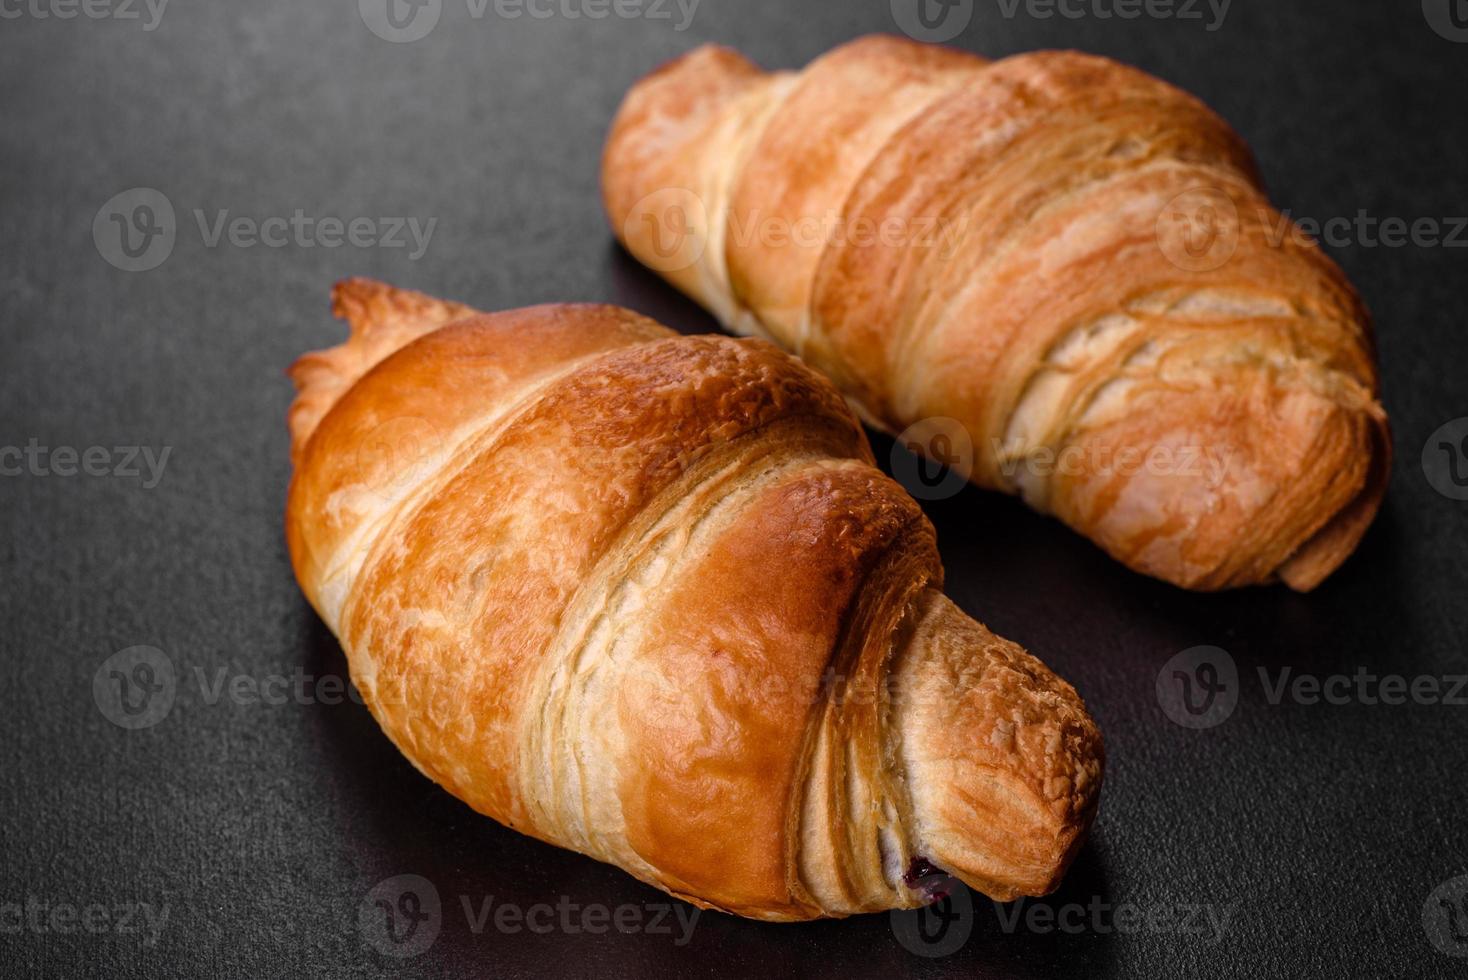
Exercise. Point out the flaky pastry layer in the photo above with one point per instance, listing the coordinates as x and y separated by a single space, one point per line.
646 597
1069 264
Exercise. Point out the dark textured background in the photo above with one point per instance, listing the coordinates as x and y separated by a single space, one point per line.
1323 829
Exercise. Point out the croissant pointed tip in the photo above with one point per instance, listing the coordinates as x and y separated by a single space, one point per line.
351 297
382 319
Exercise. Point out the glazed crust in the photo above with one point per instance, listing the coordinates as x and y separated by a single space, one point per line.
646 597
1070 259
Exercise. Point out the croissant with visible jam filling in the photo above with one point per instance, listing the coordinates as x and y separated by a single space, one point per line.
645 596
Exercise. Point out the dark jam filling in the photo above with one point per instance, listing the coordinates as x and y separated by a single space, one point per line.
931 881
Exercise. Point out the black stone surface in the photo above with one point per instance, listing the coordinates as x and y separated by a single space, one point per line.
1319 831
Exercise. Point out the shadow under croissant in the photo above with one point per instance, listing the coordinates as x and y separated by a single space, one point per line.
391 820
1273 627
637 287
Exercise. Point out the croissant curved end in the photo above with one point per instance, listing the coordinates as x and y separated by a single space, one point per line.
1004 764
1328 548
1235 484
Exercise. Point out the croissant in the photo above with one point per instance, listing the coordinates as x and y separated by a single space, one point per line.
1064 267
645 596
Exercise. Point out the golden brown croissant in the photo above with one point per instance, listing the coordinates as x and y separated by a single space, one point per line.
645 596
1067 261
